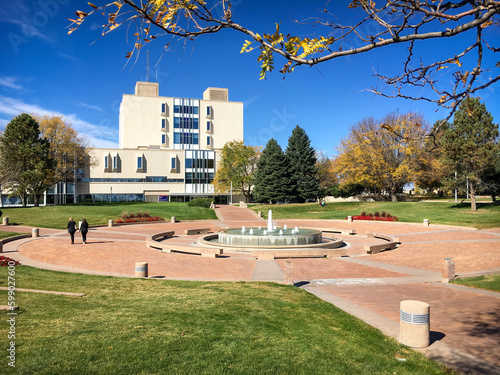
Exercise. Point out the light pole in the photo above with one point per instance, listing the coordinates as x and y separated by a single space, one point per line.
231 193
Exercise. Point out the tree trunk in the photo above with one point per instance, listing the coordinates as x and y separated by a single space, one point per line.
394 195
472 197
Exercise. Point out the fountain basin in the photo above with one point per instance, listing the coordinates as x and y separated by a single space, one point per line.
306 239
261 237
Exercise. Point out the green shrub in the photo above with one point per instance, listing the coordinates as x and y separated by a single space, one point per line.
201 202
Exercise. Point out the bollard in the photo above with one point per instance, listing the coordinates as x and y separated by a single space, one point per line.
349 218
426 222
110 223
259 214
141 269
448 270
5 221
414 326
35 232
172 219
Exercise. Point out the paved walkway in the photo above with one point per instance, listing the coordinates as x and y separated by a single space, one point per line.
465 322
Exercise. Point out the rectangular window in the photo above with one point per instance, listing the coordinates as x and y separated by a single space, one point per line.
195 123
174 163
189 163
106 164
177 122
139 162
195 110
209 111
177 108
177 138
208 141
163 139
210 163
115 162
195 138
163 123
209 126
163 108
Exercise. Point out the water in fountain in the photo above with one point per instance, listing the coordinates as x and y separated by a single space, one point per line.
270 221
272 236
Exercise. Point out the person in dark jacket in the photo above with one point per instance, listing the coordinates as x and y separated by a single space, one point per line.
71 229
84 228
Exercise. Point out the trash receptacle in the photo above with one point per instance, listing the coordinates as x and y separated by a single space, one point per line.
414 327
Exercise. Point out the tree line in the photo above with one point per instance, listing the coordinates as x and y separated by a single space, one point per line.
37 152
378 157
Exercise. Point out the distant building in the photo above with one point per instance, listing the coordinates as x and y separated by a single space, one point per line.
169 149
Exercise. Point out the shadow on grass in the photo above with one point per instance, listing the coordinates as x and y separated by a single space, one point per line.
479 205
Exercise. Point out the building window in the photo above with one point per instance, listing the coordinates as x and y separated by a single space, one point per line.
115 162
209 126
174 163
209 111
208 141
163 123
163 139
163 107
139 162
106 164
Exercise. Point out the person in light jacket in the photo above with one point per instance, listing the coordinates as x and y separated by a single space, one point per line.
84 228
71 229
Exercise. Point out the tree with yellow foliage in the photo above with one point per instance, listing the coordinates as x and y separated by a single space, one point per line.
237 165
375 157
69 149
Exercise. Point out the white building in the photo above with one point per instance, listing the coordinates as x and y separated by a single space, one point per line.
169 147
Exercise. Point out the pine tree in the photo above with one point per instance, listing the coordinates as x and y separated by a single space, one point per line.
26 164
469 144
272 179
302 158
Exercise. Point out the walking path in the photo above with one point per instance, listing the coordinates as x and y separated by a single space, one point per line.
465 322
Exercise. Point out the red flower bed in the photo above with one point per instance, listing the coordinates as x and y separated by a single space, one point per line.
384 217
139 219
4 262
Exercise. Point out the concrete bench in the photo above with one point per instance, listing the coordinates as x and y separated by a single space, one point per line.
344 232
382 236
162 235
209 252
374 249
191 232
392 243
297 253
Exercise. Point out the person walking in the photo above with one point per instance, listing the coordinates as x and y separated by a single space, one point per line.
84 228
71 229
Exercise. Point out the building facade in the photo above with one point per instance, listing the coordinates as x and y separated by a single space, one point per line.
169 147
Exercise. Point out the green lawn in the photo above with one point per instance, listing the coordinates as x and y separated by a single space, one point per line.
486 216
490 282
100 213
141 326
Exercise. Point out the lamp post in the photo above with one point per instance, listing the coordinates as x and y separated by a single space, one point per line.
110 194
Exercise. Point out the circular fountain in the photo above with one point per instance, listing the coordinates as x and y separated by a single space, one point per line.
274 237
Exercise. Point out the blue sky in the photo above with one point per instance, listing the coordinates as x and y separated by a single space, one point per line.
83 77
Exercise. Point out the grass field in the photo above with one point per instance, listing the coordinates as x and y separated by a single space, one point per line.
486 216
490 282
141 326
57 216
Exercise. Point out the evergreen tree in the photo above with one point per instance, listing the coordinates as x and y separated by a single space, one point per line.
26 165
469 144
302 158
272 179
